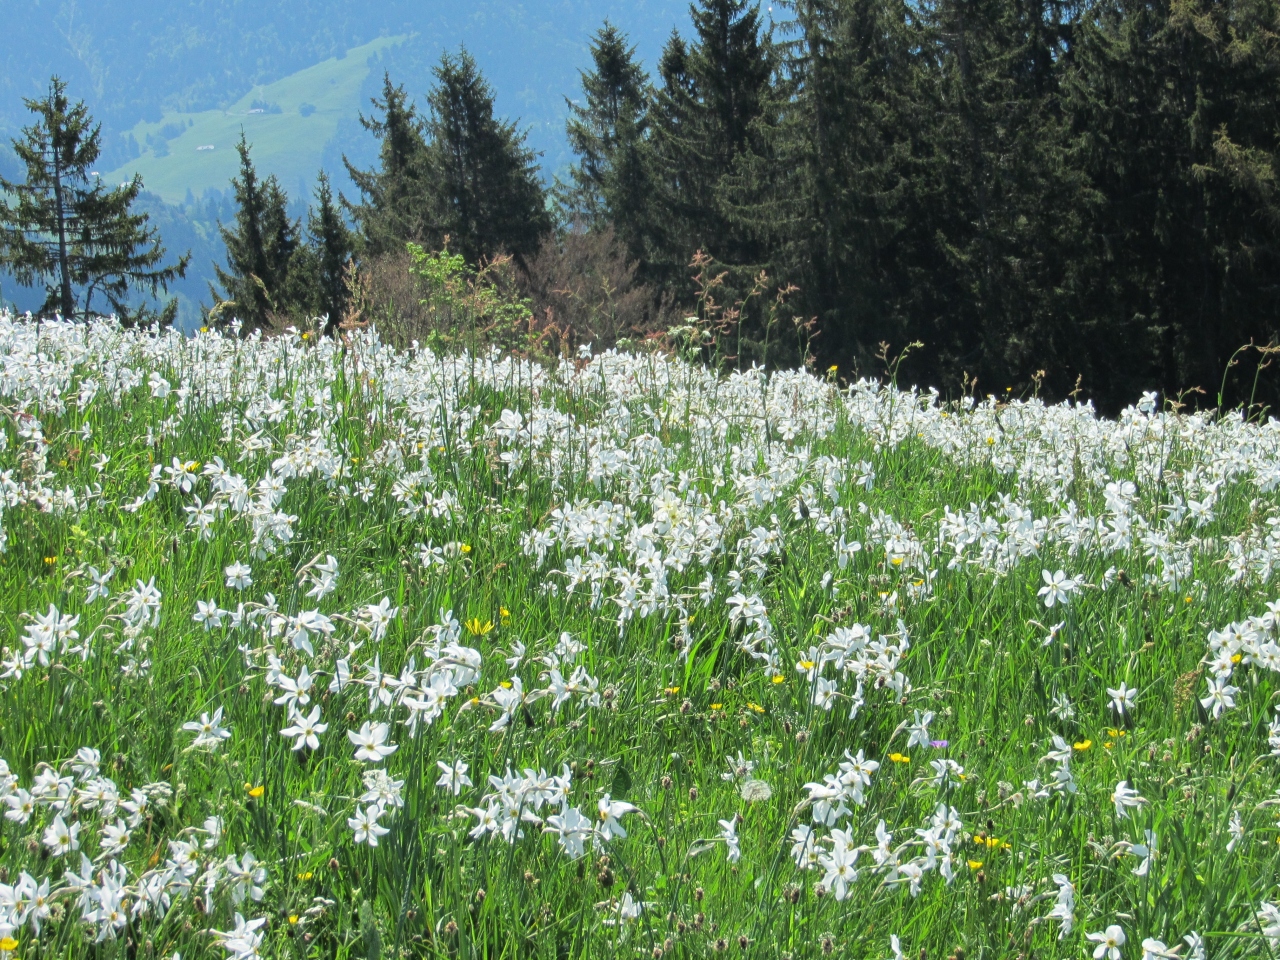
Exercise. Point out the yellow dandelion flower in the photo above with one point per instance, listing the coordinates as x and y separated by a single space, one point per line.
255 792
1082 745
779 678
478 629
671 691
717 706
305 875
975 864
806 664
755 706
293 918
1108 745
1236 657
505 684
465 548
899 758
8 944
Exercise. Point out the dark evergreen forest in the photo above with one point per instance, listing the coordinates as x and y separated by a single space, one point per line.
1044 195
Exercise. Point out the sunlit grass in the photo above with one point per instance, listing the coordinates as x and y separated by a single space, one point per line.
412 481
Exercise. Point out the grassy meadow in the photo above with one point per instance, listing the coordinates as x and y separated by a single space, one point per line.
288 134
317 649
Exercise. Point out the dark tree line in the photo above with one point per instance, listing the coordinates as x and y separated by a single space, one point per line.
1087 189
1045 193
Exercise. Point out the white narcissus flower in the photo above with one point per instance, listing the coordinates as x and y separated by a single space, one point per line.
1146 852
1057 588
918 731
60 838
729 834
207 614
608 810
1064 908
1108 942
365 825
453 778
1125 797
839 867
306 729
239 576
1153 949
571 829
1123 698
209 730
371 742
1221 696
1269 922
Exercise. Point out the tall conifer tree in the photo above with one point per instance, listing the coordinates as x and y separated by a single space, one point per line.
332 247
486 194
258 282
395 197
65 230
1176 113
711 94
607 131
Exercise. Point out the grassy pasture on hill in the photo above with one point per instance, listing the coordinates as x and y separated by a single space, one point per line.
287 123
317 649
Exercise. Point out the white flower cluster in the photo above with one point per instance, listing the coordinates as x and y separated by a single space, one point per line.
83 811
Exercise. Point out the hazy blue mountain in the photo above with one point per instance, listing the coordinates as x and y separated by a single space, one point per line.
168 78
139 60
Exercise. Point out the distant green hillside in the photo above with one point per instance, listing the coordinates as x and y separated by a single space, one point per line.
288 123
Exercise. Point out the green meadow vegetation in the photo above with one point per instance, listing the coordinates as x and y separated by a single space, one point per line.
317 648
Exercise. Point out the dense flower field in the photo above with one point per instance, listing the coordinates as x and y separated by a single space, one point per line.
317 649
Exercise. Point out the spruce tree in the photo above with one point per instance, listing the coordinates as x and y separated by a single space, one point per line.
825 186
609 183
62 228
331 245
395 205
1176 114
486 194
703 119
257 283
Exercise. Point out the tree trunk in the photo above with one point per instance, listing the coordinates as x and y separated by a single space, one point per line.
68 305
